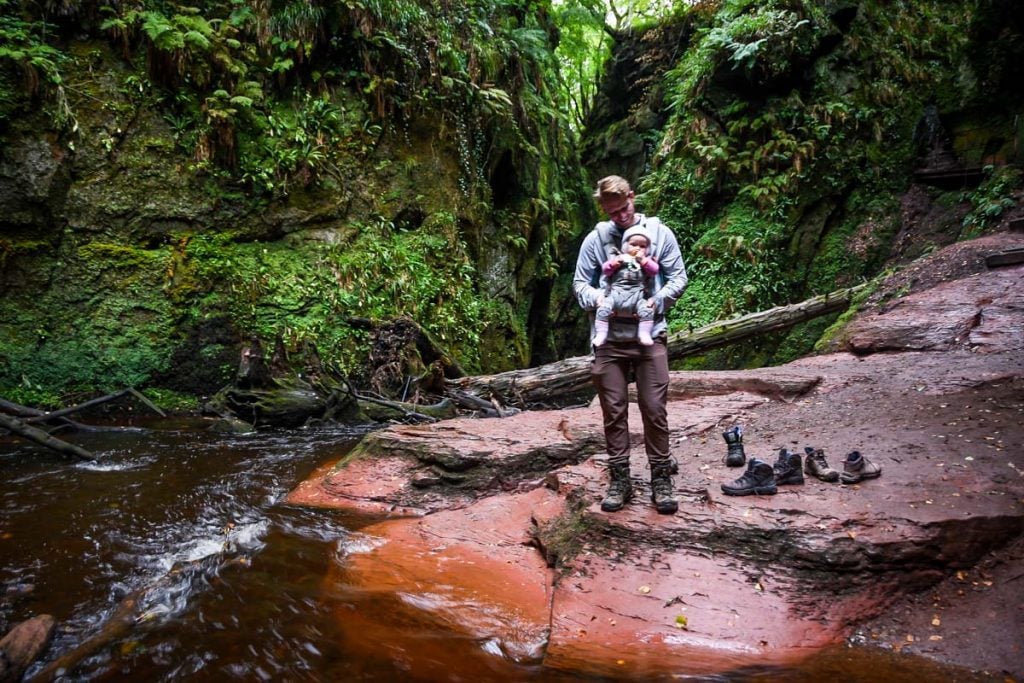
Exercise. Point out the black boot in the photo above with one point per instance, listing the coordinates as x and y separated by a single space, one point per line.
789 468
759 478
661 489
734 457
620 488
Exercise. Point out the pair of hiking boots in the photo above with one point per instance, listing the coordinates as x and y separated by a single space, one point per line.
620 488
763 479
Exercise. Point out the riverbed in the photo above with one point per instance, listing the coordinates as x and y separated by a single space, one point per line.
233 582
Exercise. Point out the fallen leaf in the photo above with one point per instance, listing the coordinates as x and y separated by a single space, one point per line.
645 589
681 621
934 637
910 638
936 621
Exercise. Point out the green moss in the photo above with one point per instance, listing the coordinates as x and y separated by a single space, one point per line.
103 256
562 538
172 401
831 336
781 163
801 340
734 268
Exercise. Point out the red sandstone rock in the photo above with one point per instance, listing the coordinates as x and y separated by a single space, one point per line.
759 579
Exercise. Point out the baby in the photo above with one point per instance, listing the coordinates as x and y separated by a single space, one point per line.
629 278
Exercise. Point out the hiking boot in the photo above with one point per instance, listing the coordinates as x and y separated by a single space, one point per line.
758 479
857 468
661 489
788 468
734 457
816 465
620 488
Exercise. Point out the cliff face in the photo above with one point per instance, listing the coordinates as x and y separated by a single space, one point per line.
797 147
175 183
163 221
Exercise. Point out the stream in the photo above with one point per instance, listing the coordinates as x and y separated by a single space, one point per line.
232 581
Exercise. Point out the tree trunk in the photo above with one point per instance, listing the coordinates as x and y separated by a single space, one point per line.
572 375
16 426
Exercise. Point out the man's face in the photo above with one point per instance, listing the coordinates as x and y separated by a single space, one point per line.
621 211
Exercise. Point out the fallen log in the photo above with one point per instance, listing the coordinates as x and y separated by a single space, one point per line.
46 417
18 419
34 434
382 409
572 375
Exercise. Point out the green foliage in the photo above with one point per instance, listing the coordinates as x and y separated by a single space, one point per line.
999 192
734 268
583 48
768 39
172 401
231 74
763 117
317 292
23 45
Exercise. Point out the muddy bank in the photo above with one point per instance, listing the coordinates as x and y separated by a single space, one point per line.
493 527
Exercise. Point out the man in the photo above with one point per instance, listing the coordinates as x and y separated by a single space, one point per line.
623 351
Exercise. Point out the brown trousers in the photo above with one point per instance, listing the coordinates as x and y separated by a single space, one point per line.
610 374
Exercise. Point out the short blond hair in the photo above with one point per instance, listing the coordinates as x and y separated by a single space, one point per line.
612 187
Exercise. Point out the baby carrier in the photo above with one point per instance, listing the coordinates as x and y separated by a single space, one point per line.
621 328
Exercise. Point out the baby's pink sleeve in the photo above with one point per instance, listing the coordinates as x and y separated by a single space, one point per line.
610 266
651 267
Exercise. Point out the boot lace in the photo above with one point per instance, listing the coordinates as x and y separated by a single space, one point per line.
618 488
819 461
662 487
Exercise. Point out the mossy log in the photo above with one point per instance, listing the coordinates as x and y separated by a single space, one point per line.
270 395
571 376
16 426
20 417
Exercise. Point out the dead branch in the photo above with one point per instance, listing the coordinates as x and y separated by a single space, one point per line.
46 417
16 426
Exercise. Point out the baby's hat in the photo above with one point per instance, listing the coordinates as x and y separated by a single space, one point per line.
635 230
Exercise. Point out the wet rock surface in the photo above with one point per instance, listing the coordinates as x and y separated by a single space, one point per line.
494 527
